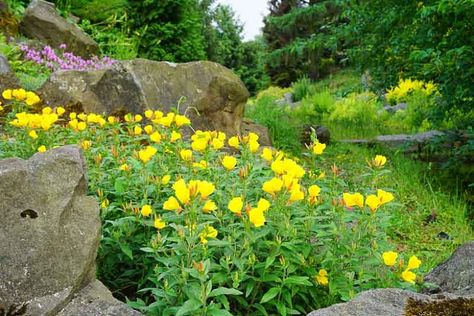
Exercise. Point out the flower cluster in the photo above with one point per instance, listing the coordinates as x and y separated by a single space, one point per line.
44 121
29 97
66 61
372 201
407 86
390 258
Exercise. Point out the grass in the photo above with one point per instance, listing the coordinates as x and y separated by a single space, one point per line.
424 211
429 220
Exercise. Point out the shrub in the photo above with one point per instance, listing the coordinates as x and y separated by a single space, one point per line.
301 88
191 229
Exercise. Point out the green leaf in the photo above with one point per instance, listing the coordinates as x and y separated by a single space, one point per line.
119 185
299 280
281 308
189 306
126 250
271 293
218 312
224 291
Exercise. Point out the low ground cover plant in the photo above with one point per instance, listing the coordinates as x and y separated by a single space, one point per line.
214 224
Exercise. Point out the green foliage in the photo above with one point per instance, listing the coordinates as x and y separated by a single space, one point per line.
30 74
252 69
283 130
301 88
170 30
302 39
114 37
430 40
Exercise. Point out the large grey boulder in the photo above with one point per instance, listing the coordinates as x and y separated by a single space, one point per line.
395 302
212 96
456 275
4 65
41 21
8 80
50 231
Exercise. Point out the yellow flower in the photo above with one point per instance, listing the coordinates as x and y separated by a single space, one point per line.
148 129
209 206
296 194
47 110
81 126
217 143
137 130
384 197
73 115
42 149
234 142
138 118
155 137
200 165
111 119
409 276
159 223
229 162
146 154
19 94
1 107
175 136
124 167
181 191
355 199
373 202
208 232
82 117
199 144
165 179
254 146
60 110
322 277
413 263
146 210
171 204
148 114
235 205
267 154
86 144
379 160
256 217
389 258
32 98
318 148
205 188
33 134
314 190
7 94
272 186
263 205
181 120
186 154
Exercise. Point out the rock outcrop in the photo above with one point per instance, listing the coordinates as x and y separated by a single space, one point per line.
49 233
42 22
8 80
212 96
452 281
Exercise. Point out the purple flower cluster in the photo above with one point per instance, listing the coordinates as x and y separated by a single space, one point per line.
66 61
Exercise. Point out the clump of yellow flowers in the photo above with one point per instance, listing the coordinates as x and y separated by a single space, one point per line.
405 87
219 214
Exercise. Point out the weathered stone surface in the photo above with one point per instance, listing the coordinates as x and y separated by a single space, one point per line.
250 126
395 108
386 302
322 134
41 21
456 275
211 95
95 299
50 228
4 65
409 143
49 233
